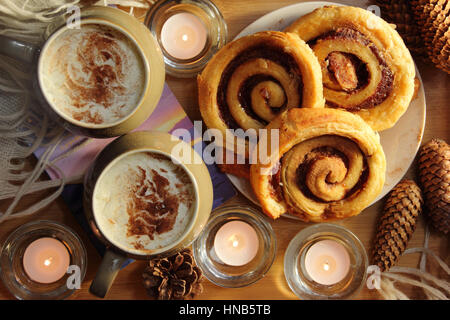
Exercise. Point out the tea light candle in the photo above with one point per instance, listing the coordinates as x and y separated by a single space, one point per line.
183 36
327 262
46 260
236 243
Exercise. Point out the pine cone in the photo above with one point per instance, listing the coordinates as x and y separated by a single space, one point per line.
424 26
401 14
176 277
397 223
434 174
431 17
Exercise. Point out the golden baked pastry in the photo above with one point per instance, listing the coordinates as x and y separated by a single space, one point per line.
366 67
234 167
329 165
252 79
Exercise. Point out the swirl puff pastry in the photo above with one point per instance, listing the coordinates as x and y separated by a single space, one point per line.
254 78
366 67
329 165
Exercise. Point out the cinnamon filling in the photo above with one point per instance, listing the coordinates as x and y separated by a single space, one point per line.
245 93
276 190
348 71
272 53
338 165
351 74
332 156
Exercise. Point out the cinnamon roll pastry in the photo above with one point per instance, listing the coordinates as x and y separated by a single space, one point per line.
329 165
254 78
366 67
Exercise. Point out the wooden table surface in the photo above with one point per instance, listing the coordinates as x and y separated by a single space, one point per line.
238 14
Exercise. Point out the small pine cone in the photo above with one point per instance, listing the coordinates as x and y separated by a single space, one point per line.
175 277
434 175
397 223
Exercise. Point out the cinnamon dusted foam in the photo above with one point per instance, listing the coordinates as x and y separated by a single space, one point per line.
144 202
94 74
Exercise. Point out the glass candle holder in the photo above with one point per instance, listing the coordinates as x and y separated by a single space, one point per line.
188 32
236 248
12 264
325 261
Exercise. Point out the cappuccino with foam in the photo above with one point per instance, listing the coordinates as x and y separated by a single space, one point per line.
94 75
143 202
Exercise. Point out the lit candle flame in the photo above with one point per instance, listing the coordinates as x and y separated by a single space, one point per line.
234 241
326 266
184 37
48 261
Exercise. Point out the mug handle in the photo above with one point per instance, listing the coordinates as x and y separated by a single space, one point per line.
107 272
17 49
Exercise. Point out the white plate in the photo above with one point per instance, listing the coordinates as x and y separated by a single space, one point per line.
400 143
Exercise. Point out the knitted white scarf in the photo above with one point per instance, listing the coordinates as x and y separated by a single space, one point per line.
23 126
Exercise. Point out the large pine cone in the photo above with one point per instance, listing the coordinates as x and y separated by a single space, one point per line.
176 277
401 14
424 26
397 223
434 173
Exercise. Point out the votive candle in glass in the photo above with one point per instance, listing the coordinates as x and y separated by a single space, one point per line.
325 261
183 36
46 260
236 248
236 243
189 33
42 260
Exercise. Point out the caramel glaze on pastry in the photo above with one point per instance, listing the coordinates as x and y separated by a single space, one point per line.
366 67
254 78
329 165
